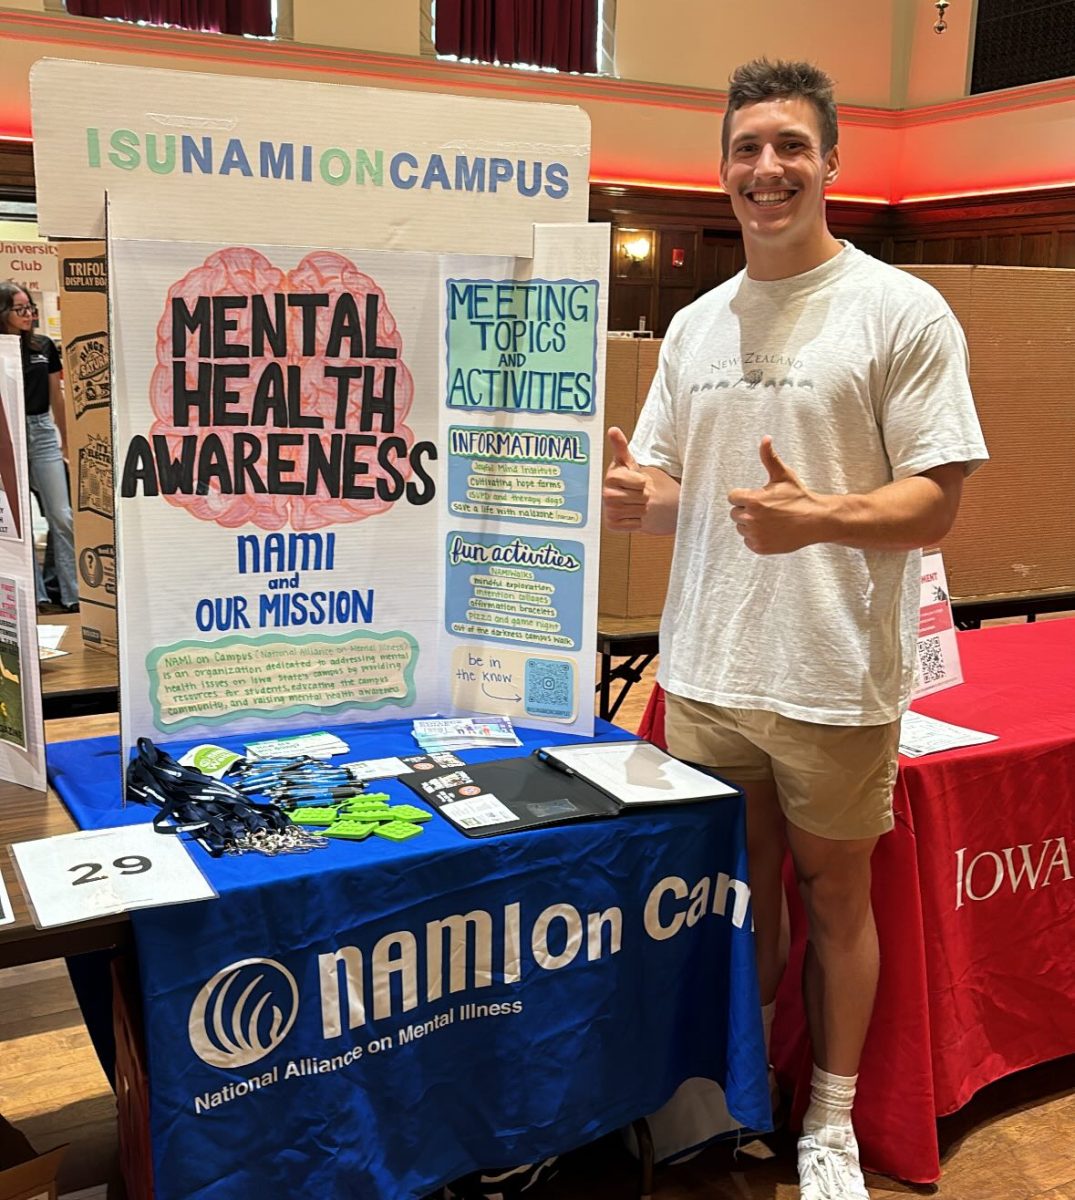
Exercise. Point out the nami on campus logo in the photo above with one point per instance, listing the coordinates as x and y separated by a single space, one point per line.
243 1013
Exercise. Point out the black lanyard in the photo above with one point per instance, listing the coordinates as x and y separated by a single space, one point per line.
215 813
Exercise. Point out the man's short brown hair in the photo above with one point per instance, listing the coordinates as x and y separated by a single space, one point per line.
761 79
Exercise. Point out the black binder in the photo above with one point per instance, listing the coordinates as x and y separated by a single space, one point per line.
510 795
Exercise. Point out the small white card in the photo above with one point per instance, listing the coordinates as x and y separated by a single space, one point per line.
926 735
80 876
377 768
476 813
7 913
316 745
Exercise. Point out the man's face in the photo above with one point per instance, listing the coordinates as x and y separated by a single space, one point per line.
775 174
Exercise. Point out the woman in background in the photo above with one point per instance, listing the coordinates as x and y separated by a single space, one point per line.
44 439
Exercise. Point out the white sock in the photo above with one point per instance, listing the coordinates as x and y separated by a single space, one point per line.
768 1011
832 1097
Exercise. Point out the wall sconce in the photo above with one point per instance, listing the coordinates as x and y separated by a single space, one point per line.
637 249
940 25
633 253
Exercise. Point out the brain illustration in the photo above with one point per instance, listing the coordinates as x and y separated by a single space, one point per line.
241 271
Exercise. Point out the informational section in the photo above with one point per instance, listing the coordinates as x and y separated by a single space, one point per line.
519 475
338 500
22 742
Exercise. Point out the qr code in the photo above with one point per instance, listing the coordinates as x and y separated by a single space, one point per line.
550 687
930 661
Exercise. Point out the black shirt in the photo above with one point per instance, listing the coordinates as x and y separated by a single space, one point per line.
39 361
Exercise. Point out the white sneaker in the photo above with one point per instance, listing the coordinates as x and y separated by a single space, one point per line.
828 1172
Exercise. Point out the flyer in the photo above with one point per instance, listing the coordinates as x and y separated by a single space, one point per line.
937 665
12 726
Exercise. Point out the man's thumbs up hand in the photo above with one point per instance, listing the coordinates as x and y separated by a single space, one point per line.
778 470
782 515
621 451
628 490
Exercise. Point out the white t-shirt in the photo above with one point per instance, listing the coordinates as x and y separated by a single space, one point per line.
859 372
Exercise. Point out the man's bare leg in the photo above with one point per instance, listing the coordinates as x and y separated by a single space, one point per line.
842 960
839 985
765 853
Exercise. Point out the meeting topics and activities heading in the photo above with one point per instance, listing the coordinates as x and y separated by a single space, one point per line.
209 154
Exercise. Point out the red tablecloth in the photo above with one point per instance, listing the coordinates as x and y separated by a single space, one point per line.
974 892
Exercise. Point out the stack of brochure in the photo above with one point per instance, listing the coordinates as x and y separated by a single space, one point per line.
464 733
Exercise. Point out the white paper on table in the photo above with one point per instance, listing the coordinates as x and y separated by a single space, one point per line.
636 772
79 876
926 735
50 636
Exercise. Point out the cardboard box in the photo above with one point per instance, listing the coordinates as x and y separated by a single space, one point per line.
1014 534
88 394
634 566
32 1179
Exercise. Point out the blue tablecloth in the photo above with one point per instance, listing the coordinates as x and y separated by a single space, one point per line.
375 1019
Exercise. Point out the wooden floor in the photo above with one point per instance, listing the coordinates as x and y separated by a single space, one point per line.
1014 1141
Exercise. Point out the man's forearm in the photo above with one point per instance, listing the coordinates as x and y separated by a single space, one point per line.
662 511
904 515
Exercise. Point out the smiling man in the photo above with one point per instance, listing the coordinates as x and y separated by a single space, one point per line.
808 430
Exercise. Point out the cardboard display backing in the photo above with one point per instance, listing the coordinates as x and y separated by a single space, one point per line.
634 566
87 392
1013 535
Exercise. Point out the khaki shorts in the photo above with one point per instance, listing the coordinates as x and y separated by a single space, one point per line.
834 781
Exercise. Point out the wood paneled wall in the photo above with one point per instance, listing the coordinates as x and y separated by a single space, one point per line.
16 171
1028 229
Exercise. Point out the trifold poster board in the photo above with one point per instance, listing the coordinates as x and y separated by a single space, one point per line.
22 732
256 160
357 395
88 394
326 510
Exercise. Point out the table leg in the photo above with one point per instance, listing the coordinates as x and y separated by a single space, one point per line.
645 1158
604 686
629 673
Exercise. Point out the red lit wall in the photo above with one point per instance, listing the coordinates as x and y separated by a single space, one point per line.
643 132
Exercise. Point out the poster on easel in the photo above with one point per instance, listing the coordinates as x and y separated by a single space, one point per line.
22 732
937 664
357 473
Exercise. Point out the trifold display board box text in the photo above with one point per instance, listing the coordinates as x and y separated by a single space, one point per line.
87 364
357 476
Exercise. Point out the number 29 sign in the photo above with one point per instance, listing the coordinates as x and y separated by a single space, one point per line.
80 876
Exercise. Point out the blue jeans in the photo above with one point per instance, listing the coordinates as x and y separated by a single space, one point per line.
48 477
